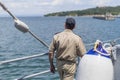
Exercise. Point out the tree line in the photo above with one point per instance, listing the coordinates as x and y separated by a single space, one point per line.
90 11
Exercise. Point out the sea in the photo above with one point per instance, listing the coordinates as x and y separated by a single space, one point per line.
16 44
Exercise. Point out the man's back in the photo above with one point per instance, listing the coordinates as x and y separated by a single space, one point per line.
66 44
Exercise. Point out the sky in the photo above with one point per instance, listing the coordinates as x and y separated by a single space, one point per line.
41 7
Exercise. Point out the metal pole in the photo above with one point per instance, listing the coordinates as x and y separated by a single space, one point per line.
23 58
32 75
3 6
45 44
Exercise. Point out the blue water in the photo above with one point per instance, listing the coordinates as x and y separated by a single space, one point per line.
15 44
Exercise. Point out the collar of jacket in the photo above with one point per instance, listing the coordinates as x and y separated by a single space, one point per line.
68 30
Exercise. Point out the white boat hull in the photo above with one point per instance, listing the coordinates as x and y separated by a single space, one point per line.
95 67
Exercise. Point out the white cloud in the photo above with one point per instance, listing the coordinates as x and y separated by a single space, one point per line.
65 2
77 2
47 6
100 2
57 2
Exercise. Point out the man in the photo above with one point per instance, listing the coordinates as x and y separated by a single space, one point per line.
67 46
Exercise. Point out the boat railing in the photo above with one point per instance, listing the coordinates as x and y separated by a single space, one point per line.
42 54
22 58
32 75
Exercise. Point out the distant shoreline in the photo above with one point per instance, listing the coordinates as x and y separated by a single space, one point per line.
89 12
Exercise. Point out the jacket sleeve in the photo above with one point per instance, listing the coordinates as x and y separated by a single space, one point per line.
81 50
52 46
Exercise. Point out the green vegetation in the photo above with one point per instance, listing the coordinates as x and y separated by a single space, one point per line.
90 11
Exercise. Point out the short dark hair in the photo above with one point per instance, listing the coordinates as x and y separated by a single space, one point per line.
70 23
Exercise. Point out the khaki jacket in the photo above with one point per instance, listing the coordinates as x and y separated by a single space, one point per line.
67 46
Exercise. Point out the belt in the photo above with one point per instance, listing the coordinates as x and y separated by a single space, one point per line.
67 60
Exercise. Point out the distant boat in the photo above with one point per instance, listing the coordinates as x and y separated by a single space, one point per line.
118 16
107 16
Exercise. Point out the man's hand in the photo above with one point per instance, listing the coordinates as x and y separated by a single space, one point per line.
52 68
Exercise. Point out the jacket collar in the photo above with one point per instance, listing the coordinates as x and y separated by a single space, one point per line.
68 30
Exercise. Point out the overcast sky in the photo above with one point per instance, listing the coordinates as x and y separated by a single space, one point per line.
41 7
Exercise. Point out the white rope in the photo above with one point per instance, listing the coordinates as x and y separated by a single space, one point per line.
23 58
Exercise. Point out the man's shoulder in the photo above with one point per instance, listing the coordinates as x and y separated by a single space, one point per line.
57 33
78 36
